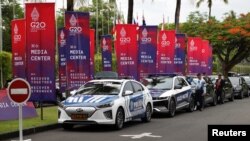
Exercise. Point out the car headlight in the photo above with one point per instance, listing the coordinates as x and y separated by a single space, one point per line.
61 105
105 105
162 98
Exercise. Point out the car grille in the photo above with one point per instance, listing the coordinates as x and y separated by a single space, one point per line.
160 103
80 110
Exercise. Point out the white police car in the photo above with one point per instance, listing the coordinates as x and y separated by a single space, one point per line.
170 93
107 101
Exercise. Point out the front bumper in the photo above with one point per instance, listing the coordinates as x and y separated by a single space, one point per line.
96 116
237 92
161 105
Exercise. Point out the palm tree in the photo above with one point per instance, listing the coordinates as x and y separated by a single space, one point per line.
210 3
177 15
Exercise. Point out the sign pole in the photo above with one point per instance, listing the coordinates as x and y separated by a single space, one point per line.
19 92
20 122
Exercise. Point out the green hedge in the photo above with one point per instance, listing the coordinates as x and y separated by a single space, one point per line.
6 65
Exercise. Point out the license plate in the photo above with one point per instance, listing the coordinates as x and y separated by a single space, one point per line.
79 116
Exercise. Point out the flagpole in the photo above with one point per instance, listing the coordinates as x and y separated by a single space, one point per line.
97 26
1 42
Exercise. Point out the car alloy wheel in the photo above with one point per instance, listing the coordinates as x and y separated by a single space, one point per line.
119 119
191 104
148 114
172 108
241 95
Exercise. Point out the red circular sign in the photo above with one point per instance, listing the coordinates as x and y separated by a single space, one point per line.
19 90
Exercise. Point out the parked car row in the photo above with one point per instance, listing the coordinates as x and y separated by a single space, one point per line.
114 101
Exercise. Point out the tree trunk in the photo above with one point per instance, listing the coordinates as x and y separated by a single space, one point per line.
70 5
209 16
177 15
130 11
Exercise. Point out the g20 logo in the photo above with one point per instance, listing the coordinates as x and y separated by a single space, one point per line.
75 29
146 40
38 25
125 40
165 43
17 38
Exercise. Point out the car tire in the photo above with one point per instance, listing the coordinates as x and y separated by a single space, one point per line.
214 103
172 108
148 114
241 95
67 126
191 104
232 97
119 119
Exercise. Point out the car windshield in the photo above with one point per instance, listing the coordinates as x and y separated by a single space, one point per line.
160 83
247 78
234 80
100 88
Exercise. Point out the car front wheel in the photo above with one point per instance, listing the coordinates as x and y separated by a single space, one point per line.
119 120
191 104
172 108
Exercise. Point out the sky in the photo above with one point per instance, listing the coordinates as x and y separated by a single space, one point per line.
154 11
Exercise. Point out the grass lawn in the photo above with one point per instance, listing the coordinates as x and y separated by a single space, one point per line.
49 117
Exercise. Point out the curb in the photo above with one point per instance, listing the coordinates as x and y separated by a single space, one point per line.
29 131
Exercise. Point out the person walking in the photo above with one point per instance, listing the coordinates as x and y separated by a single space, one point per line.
219 84
199 92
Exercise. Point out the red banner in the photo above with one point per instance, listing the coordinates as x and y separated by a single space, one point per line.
126 50
165 51
40 25
204 56
92 53
18 48
194 55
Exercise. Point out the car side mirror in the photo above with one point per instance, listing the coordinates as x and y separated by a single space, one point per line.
127 92
177 87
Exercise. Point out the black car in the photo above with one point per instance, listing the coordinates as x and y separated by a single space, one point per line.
240 87
247 80
210 96
227 92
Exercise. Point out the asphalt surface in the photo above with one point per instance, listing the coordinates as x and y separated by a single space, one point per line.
184 126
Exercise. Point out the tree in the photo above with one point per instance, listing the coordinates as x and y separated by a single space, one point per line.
230 38
130 11
210 3
177 15
70 5
8 16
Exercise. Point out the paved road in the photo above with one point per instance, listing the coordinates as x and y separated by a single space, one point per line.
183 127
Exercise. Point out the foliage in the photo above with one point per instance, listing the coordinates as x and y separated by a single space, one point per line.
6 64
7 15
230 38
49 115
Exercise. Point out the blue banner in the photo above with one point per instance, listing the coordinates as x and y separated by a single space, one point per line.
106 45
147 50
179 58
78 44
62 54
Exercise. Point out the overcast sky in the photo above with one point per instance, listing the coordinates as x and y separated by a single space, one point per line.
153 11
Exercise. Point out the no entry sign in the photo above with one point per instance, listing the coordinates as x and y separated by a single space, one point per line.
19 91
